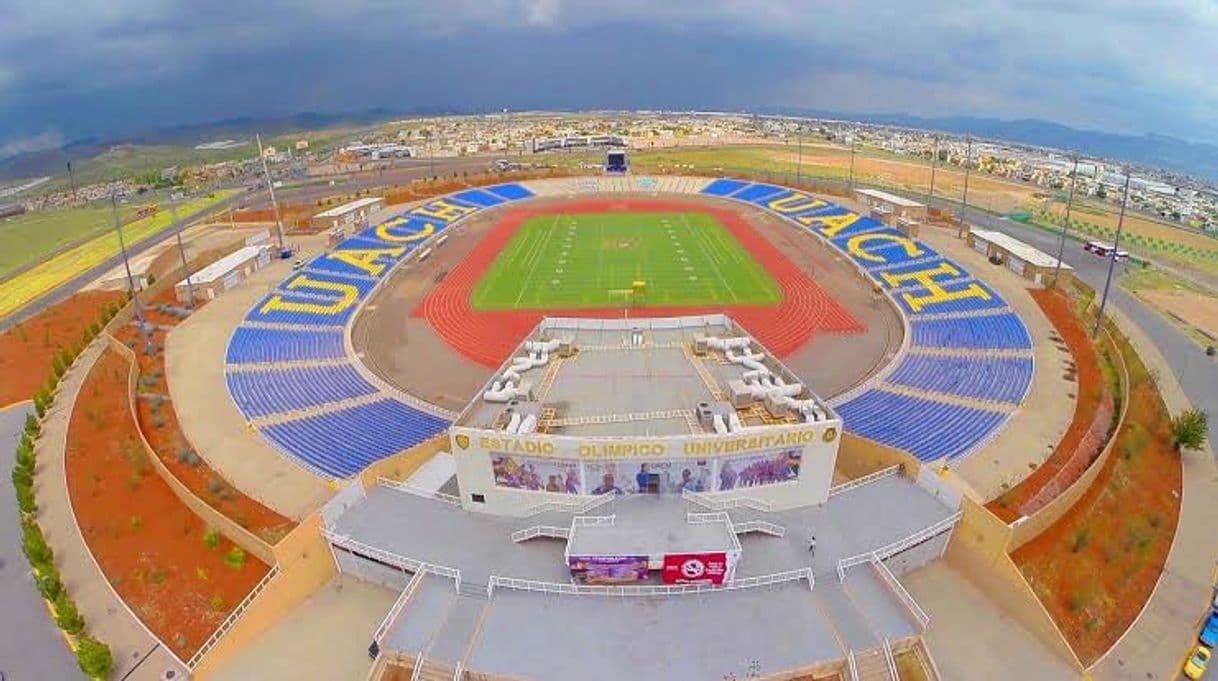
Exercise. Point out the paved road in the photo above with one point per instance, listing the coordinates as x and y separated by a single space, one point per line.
31 646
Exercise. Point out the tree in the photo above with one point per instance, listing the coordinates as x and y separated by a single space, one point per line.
94 658
67 617
1190 429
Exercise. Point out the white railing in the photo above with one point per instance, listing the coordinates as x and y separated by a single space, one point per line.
394 559
701 518
713 503
902 594
593 520
760 526
851 666
398 606
569 506
892 663
918 537
418 667
541 531
649 589
419 491
851 561
866 479
232 618
459 670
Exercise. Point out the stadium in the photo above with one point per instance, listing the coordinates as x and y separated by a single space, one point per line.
688 427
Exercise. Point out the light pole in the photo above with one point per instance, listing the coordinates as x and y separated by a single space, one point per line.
270 187
190 286
934 158
1061 241
799 155
1112 257
968 167
122 247
853 139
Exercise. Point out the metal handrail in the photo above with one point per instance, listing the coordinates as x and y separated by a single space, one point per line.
866 479
419 491
541 531
892 664
418 667
392 558
710 502
851 666
902 593
398 606
851 561
918 537
761 526
232 618
593 520
649 589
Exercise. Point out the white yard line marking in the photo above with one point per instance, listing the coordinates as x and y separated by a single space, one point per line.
525 285
713 264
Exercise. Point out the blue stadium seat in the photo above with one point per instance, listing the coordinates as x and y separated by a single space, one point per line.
273 391
998 379
758 193
987 299
511 192
723 187
251 345
981 332
477 197
925 428
344 442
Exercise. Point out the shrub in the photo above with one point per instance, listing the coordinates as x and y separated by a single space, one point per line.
31 426
57 365
211 539
49 585
34 545
1080 539
67 616
189 457
94 657
22 477
25 500
1189 429
235 558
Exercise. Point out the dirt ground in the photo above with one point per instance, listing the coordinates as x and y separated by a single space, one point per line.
26 350
178 579
1198 311
1089 386
1095 568
390 340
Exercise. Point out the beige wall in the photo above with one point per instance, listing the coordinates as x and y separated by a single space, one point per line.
1031 526
403 465
978 549
859 456
305 565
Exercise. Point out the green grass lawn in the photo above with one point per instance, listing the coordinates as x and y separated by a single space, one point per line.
592 260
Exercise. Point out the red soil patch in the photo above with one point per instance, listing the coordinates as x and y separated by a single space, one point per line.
26 350
1093 417
159 423
149 545
489 337
1096 567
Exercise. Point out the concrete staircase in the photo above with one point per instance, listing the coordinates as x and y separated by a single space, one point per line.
872 666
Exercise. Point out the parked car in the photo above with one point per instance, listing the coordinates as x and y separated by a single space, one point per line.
1197 662
1209 633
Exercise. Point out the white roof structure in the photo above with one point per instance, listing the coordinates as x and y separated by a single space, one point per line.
220 268
1018 248
890 198
349 206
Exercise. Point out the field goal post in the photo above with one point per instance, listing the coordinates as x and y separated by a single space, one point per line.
629 297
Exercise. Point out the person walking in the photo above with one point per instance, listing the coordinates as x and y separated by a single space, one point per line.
812 545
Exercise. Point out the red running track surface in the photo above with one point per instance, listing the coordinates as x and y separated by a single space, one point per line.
489 337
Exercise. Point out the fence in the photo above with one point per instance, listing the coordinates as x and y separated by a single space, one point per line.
541 531
710 502
866 479
851 666
593 520
892 664
232 618
419 491
573 506
389 557
398 606
761 526
902 594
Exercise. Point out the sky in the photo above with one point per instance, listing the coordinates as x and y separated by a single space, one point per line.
112 68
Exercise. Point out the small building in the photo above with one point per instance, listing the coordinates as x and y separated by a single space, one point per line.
224 273
898 211
302 145
1022 259
352 214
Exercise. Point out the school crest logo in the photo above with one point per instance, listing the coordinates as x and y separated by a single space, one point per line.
830 435
462 440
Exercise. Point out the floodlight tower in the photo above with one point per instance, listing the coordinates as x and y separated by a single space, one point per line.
968 167
1061 241
270 186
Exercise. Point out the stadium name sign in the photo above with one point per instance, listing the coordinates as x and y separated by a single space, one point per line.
629 448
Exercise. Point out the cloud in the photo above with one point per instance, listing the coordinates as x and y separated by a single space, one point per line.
40 142
1124 65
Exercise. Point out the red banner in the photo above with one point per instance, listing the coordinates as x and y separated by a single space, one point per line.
695 568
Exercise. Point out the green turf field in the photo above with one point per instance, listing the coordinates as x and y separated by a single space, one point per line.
591 260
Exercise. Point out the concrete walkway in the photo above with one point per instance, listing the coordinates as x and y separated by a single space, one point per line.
1155 646
31 646
138 655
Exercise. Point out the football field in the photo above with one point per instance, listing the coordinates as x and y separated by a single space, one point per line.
593 260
